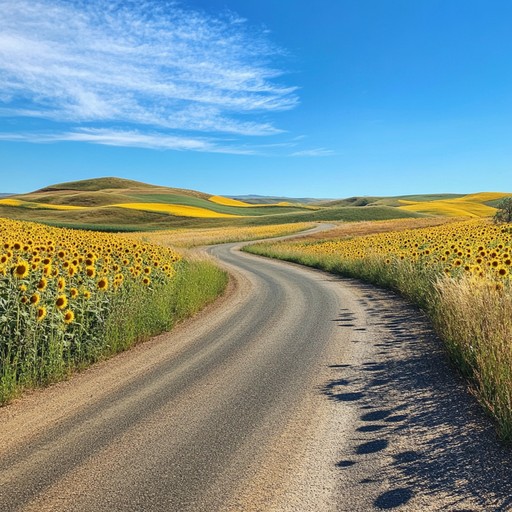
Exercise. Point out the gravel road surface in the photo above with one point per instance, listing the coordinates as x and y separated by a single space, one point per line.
298 391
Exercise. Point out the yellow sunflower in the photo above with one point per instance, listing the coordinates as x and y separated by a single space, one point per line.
41 313
61 302
69 316
21 269
103 284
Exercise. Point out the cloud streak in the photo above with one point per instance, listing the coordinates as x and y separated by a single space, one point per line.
130 138
314 152
147 64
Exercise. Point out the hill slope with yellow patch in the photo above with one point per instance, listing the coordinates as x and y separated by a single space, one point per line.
18 203
470 205
117 202
178 210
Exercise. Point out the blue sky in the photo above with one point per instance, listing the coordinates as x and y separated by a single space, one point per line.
331 98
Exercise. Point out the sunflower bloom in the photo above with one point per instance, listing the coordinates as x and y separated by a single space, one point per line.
69 316
21 269
103 284
41 313
61 302
502 271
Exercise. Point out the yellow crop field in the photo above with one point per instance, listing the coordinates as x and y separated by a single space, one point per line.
178 210
197 237
226 201
11 202
44 206
29 204
471 205
483 197
449 208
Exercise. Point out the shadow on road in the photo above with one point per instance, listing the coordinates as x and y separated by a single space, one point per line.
416 416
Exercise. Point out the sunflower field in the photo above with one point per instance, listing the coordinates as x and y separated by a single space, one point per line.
460 273
476 248
69 297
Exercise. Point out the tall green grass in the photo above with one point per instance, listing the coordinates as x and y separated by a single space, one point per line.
472 316
32 357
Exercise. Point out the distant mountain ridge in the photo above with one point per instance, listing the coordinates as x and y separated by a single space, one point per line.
258 199
5 194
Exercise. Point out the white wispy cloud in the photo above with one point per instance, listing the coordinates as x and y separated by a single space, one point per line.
314 152
131 138
146 63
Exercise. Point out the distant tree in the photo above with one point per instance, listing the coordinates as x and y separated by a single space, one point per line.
504 212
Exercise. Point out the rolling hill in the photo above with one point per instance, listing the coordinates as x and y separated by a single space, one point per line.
471 205
118 204
482 204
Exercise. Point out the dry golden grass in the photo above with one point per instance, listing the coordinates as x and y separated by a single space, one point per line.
475 319
209 236
351 229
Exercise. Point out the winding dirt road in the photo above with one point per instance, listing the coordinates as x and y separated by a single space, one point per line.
299 391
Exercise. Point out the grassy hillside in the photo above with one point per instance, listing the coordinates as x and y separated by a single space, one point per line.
108 193
116 204
387 201
481 204
470 205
